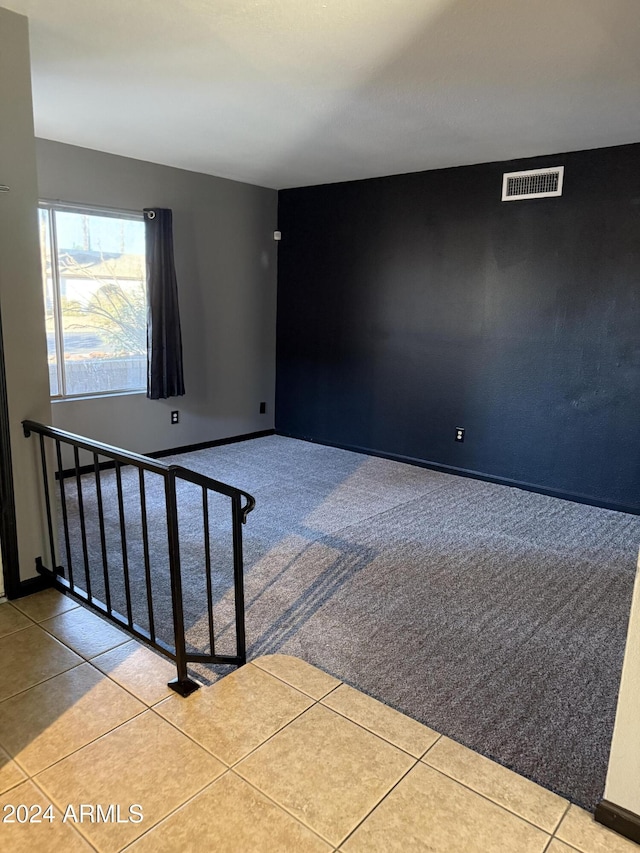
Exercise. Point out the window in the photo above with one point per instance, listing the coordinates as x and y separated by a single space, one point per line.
93 264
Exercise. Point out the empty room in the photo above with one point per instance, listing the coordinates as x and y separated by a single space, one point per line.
320 472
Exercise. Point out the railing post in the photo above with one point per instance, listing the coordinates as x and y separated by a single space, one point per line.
182 684
47 500
238 579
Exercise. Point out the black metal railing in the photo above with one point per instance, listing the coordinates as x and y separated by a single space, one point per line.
129 574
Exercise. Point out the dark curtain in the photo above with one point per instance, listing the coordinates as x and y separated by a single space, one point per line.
164 341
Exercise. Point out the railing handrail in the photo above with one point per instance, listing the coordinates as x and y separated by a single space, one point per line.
217 486
128 457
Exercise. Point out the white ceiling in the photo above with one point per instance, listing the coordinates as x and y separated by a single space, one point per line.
287 93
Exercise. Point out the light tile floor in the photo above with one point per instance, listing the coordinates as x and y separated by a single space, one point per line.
278 756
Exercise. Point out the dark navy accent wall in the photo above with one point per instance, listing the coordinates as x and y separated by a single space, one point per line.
414 304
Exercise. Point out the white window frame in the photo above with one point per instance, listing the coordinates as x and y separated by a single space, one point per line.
53 205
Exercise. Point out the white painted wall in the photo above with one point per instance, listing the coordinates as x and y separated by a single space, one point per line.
226 268
23 329
623 776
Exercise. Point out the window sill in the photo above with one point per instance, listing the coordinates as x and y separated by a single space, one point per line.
83 397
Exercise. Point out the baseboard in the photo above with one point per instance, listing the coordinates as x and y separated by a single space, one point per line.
30 586
84 469
172 451
632 509
620 820
204 445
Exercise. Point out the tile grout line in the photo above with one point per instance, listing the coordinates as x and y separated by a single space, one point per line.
389 707
13 787
60 809
284 726
104 674
64 643
235 763
414 760
21 613
318 701
180 806
152 708
84 661
569 847
497 764
382 737
80 748
488 799
146 708
229 768
75 651
288 683
331 710
437 740
321 701
90 660
13 601
93 740
333 690
199 791
522 776
559 824
380 801
547 845
44 681
16 631
418 762
20 782
52 616
281 807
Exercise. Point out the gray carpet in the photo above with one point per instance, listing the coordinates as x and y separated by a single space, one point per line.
493 615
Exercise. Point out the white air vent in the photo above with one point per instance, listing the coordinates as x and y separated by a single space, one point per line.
536 183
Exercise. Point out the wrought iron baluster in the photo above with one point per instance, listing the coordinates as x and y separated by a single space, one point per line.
123 540
83 526
207 557
47 501
182 684
65 519
238 583
103 538
145 545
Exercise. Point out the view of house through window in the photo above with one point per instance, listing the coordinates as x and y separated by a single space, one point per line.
93 265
